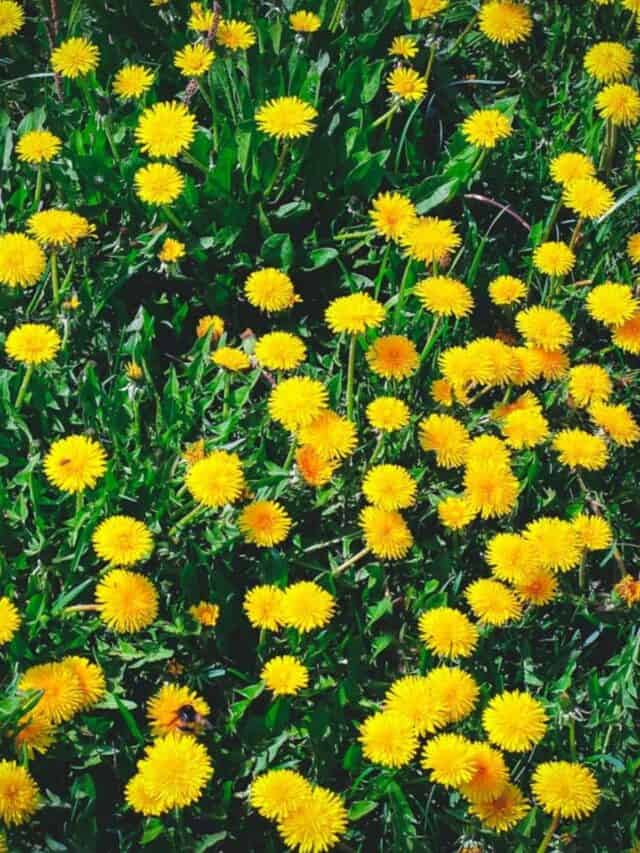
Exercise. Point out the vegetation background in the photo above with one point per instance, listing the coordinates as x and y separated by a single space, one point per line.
580 654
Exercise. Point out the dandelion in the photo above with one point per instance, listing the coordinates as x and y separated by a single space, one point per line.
304 22
504 22
447 437
504 812
201 19
158 183
75 57
280 351
616 421
456 512
75 463
406 84
216 480
60 688
444 296
264 523
11 18
270 290
9 620
633 248
491 491
393 357
448 757
579 449
317 824
430 239
608 61
32 344
22 261
507 289
492 602
236 35
619 103
210 322
165 129
230 358
612 304
163 709
314 468
171 251
554 259
19 795
306 606
420 9
454 690
537 586
297 402
515 721
90 678
388 738
277 793
571 166
565 789
544 328
485 128
448 632
391 213
525 428
354 314
288 117
593 532
489 777
34 735
127 601
387 414
553 543
412 697
205 613
588 197
331 435
285 676
194 60
122 540
589 383
385 533
627 335
403 46
389 487
38 146
132 81
263 607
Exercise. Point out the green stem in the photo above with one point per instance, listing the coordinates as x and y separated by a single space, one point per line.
572 739
401 294
432 55
466 30
189 158
381 272
551 220
276 172
226 392
173 219
377 450
79 501
55 283
290 454
555 820
39 180
193 513
354 235
389 114
23 387
351 372
338 12
431 339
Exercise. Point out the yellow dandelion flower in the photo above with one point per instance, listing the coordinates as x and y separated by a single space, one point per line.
589 383
594 533
571 166
194 60
58 227
285 675
75 57
627 335
549 364
32 343
304 22
490 491
387 414
163 709
128 602
633 248
544 328
158 183
317 824
525 428
306 606
608 61
334 437
588 197
430 239
448 632
448 757
165 129
385 533
171 251
619 103
280 351
34 735
617 422
122 540
393 357
388 738
354 314
554 258
489 777
447 437
288 117
201 19
231 358
264 523
554 544
507 289
22 261
628 589
455 512
90 679
389 487
566 789
510 556
490 449
485 128
537 586
492 602
132 81
314 468
444 296
406 84
403 46
412 697
442 392
277 793
216 480
515 721
75 463
504 22
205 613
38 146
391 213
210 322
612 304
504 812
263 606
133 371
579 449
61 692
270 290
236 35
420 9
9 620
297 402
19 795
11 18
454 690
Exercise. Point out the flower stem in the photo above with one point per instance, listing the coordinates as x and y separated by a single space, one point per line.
290 453
350 562
79 501
226 393
381 272
38 194
555 820
173 219
55 285
354 235
466 30
23 387
575 236
389 114
193 513
572 738
82 608
377 450
401 294
351 372
189 158
276 172
431 339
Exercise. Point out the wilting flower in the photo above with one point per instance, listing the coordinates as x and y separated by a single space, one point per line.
75 57
285 675
74 463
132 81
485 128
288 117
210 322
38 146
566 789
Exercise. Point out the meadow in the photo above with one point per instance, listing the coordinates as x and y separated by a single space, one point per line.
319 332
